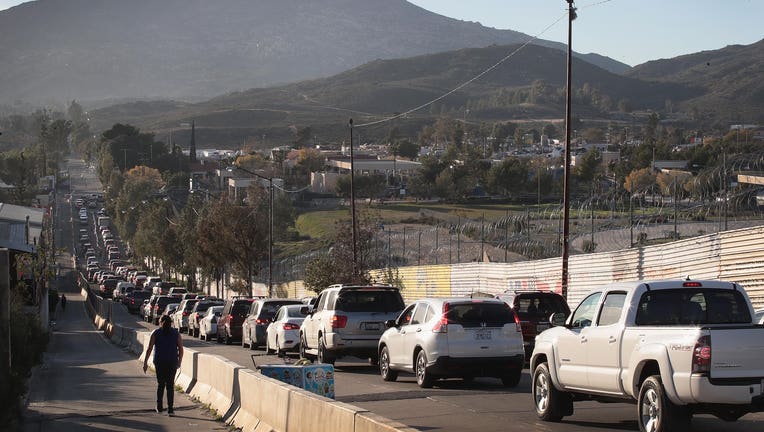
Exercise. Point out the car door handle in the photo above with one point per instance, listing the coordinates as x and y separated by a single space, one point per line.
611 339
419 329
403 331
584 339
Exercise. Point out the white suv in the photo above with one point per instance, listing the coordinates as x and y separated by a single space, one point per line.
453 337
348 320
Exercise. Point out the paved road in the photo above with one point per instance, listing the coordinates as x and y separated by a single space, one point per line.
87 384
483 405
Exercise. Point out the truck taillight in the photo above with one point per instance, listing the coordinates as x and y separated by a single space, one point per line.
701 355
339 321
291 326
518 323
442 325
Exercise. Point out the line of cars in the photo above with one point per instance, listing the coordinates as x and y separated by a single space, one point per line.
433 338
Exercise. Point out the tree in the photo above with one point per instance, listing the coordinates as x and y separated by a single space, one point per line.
509 177
404 148
593 135
336 265
550 130
310 160
639 180
589 165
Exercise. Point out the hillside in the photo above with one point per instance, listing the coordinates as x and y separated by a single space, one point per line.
381 88
95 50
731 78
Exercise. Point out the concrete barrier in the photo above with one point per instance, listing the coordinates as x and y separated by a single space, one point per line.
307 412
370 422
264 403
217 383
187 377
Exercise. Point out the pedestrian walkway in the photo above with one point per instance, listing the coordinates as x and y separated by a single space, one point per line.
87 384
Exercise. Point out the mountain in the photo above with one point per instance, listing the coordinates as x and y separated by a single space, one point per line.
528 85
91 50
732 79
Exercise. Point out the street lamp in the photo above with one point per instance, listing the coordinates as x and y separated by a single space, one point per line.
270 224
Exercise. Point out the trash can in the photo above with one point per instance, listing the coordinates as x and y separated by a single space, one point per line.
316 378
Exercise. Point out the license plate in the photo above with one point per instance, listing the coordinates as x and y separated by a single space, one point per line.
371 326
483 335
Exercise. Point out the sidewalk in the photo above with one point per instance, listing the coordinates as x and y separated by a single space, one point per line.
87 384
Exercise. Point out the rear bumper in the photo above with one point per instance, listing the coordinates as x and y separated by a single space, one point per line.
362 347
476 366
706 392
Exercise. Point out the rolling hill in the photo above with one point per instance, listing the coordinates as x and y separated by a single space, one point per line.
95 50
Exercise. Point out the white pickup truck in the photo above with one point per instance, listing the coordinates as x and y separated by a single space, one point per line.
676 348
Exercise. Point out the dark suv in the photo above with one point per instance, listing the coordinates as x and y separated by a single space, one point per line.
534 309
232 318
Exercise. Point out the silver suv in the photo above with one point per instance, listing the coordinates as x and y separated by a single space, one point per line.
453 337
348 320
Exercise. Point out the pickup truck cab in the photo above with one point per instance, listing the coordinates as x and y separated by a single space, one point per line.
676 348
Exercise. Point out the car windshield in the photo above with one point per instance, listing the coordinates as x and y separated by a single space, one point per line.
369 301
480 314
692 306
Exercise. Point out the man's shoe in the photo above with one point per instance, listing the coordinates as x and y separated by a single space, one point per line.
170 412
158 409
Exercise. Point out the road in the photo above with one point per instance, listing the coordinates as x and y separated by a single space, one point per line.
483 405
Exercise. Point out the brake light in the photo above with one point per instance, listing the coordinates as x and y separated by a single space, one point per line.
442 325
185 313
701 355
291 326
692 285
261 321
518 323
338 321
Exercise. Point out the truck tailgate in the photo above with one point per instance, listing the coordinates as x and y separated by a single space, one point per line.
737 352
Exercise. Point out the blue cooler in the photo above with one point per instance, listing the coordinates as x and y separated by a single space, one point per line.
316 378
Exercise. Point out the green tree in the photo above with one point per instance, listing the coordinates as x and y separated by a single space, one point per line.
509 177
404 148
589 165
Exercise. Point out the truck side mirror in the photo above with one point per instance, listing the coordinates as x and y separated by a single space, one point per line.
557 319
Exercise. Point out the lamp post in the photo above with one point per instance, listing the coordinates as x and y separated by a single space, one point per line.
270 225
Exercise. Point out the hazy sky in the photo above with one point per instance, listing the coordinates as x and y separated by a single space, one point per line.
631 31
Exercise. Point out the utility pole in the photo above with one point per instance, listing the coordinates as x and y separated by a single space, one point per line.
352 203
566 183
5 320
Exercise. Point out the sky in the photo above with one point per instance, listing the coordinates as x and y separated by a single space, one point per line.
630 31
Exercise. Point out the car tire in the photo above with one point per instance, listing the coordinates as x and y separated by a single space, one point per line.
280 353
423 378
656 413
323 354
512 379
384 366
549 403
303 348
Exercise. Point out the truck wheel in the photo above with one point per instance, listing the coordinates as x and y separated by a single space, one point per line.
323 353
423 378
656 412
512 379
384 366
550 404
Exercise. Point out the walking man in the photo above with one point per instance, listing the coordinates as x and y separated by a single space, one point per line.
167 360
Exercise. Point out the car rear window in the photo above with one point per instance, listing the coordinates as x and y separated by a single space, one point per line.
241 308
539 307
269 309
369 301
691 307
480 314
